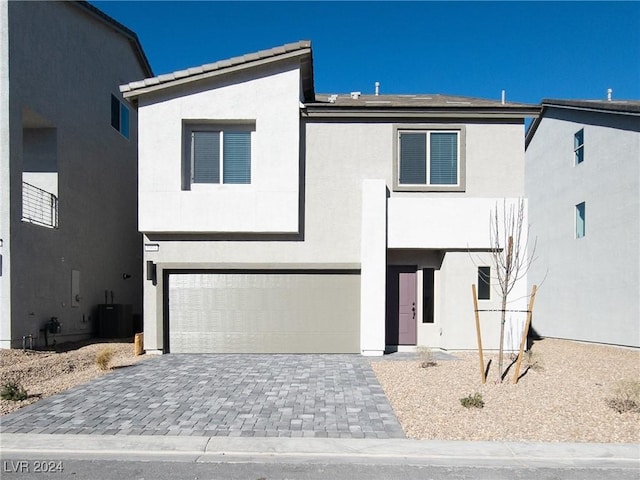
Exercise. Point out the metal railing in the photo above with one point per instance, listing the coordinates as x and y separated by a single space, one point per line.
39 206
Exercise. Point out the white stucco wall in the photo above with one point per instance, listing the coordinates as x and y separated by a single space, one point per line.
269 204
591 290
373 267
444 223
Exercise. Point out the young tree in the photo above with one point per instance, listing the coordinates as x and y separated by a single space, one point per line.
509 249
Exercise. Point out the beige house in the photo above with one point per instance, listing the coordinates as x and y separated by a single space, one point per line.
276 219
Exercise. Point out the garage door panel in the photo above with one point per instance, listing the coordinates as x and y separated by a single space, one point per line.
264 312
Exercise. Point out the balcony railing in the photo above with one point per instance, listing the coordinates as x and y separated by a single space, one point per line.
39 206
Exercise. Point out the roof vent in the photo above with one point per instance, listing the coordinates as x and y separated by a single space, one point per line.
609 93
333 98
377 85
355 95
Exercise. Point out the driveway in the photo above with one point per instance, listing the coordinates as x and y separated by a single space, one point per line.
335 396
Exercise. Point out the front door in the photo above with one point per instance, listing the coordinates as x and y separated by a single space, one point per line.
401 324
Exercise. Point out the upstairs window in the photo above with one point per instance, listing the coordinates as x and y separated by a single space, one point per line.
216 155
580 220
578 146
119 116
429 159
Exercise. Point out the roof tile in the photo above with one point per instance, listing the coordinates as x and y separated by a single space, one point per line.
219 65
249 57
195 70
167 77
181 74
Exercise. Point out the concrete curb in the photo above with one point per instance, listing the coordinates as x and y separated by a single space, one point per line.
320 450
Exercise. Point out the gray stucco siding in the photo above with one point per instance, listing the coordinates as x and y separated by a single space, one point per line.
591 288
64 65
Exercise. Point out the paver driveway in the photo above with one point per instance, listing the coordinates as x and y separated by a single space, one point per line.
222 395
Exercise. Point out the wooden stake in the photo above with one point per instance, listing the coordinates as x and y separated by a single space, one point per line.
138 344
525 333
478 333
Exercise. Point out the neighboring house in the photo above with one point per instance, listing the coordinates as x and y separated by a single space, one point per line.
278 220
68 173
583 185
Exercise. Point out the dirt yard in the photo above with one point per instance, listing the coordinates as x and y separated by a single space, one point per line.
561 397
45 373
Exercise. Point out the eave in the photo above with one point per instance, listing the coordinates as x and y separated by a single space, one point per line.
444 112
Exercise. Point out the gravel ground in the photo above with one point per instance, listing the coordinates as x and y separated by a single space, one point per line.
562 397
44 373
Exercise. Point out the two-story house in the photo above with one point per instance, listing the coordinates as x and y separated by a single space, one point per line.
583 184
276 219
68 172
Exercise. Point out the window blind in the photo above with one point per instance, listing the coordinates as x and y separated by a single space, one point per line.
413 154
237 157
444 158
206 157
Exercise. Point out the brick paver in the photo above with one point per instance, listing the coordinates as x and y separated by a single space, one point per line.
335 396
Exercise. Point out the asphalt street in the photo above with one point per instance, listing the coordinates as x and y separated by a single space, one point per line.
122 457
307 470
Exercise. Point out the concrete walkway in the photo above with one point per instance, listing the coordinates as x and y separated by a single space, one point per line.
321 396
323 450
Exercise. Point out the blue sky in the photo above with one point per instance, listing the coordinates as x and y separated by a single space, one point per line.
533 50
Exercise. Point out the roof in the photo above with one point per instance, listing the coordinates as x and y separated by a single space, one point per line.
355 104
121 29
346 105
301 50
615 107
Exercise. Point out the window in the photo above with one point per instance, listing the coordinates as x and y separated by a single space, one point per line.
484 283
580 220
429 159
578 146
218 155
428 297
119 116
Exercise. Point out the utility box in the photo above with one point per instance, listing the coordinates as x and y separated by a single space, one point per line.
115 321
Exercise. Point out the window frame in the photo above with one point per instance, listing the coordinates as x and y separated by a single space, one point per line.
427 129
578 147
484 278
120 120
580 228
191 126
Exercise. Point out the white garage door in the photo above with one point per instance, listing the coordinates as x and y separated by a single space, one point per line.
264 312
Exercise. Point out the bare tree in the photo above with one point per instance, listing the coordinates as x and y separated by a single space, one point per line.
509 249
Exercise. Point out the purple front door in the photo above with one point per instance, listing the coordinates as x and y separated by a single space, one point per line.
407 308
401 328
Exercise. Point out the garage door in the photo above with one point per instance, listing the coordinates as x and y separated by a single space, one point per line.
263 312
